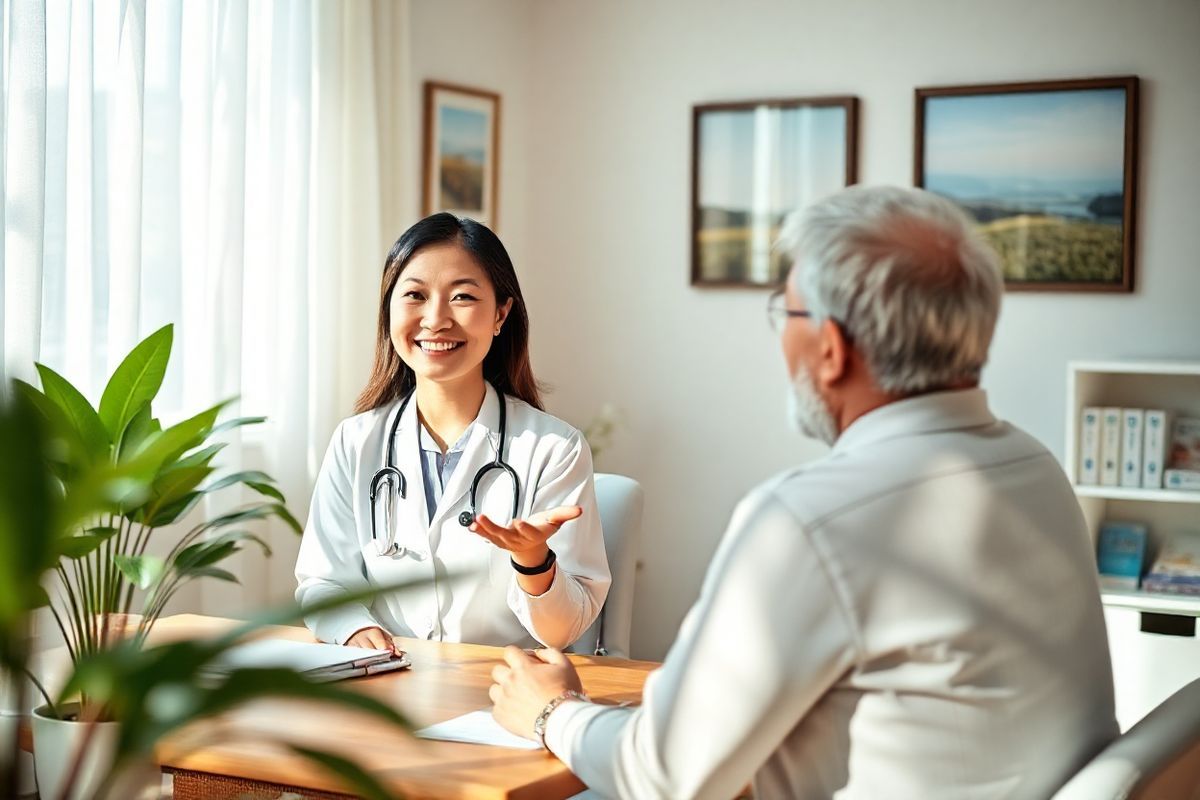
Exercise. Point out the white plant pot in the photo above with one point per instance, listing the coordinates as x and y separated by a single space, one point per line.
56 745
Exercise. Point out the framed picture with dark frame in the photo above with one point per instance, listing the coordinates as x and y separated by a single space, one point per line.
1048 170
753 163
461 151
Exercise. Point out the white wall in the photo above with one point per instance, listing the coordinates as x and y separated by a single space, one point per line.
484 44
602 245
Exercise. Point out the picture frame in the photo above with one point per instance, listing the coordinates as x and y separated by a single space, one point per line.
753 163
1047 169
461 152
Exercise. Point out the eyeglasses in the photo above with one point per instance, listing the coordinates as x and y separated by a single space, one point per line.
778 312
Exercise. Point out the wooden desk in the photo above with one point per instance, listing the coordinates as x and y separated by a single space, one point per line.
228 757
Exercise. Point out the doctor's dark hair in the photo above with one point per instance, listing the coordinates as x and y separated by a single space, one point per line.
506 365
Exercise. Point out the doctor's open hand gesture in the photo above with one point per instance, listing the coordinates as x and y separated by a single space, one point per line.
525 541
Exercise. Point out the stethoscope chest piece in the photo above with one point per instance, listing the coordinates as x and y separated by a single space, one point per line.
393 550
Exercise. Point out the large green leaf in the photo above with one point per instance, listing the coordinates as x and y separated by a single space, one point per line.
174 512
141 427
215 550
78 410
64 445
201 458
163 449
136 381
253 479
142 571
259 511
267 490
78 546
240 477
173 484
213 572
153 691
27 512
237 422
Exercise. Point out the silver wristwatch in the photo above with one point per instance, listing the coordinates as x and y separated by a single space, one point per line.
539 724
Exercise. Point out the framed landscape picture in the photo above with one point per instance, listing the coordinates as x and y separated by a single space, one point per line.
753 163
461 151
1048 170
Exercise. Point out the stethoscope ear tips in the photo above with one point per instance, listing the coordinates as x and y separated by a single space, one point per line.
466 518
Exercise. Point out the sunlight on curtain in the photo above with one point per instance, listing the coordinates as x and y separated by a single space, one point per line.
215 164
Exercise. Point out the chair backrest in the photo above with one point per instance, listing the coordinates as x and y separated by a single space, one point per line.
620 502
1156 759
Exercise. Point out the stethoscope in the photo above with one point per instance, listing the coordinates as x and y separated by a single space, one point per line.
392 478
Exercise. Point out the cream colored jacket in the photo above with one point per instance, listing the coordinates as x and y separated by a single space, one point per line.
914 616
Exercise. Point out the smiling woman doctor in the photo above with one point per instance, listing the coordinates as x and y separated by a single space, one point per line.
451 401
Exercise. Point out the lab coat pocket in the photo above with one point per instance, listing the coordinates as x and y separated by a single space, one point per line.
412 568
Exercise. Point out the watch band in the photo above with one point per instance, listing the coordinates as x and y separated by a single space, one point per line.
539 724
539 569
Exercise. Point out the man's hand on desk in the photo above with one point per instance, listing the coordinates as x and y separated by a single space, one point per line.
525 683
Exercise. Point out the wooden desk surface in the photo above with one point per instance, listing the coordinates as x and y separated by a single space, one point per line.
446 680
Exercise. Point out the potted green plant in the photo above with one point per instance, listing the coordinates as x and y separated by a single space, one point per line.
146 691
101 564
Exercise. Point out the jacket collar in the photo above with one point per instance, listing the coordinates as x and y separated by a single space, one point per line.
926 413
479 450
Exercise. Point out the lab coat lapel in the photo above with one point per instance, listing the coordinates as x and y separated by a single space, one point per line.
480 449
412 516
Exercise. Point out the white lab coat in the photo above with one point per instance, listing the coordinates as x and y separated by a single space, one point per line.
483 603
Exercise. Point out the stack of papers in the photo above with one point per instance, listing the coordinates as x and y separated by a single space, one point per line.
317 662
477 727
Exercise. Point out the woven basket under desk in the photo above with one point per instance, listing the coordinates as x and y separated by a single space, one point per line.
191 785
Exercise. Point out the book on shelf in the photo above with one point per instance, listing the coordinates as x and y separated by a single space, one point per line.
1110 447
1177 568
1132 422
1089 446
1120 554
1154 448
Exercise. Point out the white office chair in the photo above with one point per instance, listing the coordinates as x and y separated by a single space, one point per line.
620 502
1156 759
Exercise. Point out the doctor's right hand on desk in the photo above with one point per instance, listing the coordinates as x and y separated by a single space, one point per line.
374 639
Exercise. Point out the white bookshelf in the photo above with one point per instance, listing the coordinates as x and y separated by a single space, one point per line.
1147 667
1153 603
1142 495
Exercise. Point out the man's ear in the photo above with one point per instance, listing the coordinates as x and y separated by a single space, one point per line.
834 354
502 314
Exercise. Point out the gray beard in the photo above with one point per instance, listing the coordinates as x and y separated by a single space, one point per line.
807 411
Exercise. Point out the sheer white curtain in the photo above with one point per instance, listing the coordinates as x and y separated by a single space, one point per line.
218 164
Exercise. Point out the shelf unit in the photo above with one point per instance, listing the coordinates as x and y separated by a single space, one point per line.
1147 667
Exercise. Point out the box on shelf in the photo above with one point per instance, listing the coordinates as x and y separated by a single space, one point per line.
1187 480
1177 568
1121 554
1185 444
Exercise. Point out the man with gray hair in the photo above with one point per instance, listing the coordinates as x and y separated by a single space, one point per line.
915 615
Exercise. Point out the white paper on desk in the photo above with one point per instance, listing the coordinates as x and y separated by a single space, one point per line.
476 727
